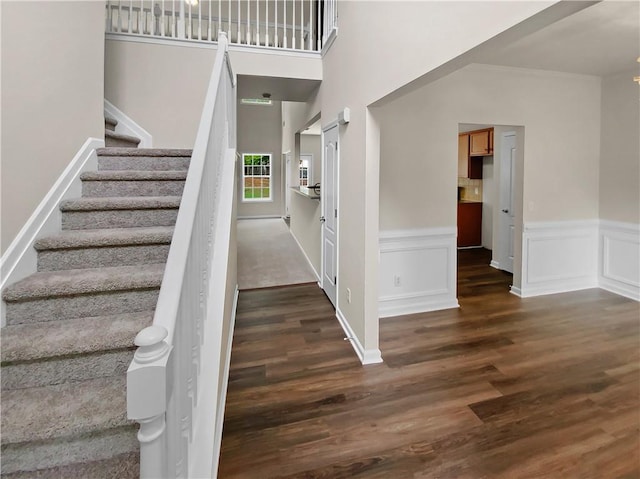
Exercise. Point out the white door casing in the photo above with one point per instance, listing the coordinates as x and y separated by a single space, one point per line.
286 159
329 194
507 205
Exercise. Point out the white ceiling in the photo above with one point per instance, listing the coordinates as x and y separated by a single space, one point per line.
281 89
600 40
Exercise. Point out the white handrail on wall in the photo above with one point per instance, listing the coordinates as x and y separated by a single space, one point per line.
175 381
257 23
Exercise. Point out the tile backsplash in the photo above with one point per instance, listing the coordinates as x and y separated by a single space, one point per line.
469 189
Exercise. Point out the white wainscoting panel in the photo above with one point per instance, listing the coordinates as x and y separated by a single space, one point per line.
559 256
417 271
619 258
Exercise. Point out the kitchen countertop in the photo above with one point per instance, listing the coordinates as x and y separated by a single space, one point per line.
469 201
306 192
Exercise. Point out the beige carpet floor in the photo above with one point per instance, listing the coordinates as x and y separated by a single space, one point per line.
269 256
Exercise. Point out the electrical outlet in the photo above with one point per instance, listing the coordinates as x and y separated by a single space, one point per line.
476 190
396 280
348 295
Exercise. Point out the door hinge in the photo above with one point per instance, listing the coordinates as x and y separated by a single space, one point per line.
335 212
335 280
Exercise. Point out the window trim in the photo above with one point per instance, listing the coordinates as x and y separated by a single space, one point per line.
270 176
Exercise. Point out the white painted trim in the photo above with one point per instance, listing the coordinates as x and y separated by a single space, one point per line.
559 256
494 264
128 126
619 258
233 47
366 356
329 41
222 394
424 287
515 291
21 259
305 255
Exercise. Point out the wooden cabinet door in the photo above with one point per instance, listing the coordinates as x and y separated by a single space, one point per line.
469 224
463 156
479 143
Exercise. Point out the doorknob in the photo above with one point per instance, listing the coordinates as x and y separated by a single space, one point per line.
505 211
322 220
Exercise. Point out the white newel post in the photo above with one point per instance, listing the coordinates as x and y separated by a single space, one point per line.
148 387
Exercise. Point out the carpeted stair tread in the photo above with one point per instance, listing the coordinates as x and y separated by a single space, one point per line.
109 134
50 284
105 237
133 175
110 123
121 466
63 410
30 342
159 152
121 203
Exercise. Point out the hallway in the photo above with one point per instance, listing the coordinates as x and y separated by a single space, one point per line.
501 388
269 256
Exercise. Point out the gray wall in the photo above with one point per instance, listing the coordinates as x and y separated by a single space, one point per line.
260 131
52 98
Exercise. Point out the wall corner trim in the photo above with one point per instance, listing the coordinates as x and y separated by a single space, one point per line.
366 356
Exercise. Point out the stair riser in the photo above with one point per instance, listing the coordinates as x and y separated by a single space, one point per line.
109 126
78 449
120 142
142 163
56 260
57 371
77 220
132 188
67 307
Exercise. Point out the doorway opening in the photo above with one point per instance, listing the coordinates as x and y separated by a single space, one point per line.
489 208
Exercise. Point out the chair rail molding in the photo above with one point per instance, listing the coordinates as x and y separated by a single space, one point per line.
417 271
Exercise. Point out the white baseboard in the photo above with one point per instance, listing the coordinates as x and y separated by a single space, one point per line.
619 258
417 271
515 291
366 356
558 257
305 255
21 259
222 397
494 264
128 126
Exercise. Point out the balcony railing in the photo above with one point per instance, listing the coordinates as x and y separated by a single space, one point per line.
304 25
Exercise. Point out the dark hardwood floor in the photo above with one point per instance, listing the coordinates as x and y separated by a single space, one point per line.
502 387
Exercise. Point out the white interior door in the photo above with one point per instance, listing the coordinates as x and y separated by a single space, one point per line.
330 213
507 213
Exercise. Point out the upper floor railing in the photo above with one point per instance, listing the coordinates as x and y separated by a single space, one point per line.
286 24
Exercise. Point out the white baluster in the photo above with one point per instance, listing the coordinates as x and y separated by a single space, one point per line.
219 19
210 27
199 20
248 22
229 19
130 14
311 28
119 16
275 41
257 22
239 30
301 24
293 26
266 22
284 24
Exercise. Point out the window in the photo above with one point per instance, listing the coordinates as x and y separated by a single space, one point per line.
304 169
256 176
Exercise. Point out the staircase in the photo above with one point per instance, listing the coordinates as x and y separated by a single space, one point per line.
70 326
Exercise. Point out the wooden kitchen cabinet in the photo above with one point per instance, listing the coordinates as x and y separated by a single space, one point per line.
469 224
491 141
468 167
479 143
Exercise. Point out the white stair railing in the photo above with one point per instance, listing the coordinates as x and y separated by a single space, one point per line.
285 24
174 385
